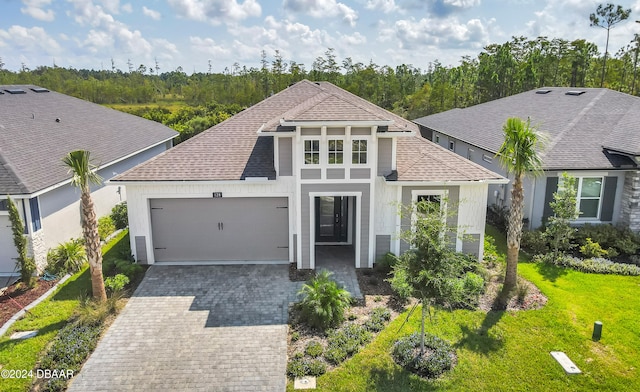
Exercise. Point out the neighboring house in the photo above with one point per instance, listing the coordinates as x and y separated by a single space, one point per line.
312 165
591 133
37 129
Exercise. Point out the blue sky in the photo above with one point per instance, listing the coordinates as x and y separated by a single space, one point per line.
190 33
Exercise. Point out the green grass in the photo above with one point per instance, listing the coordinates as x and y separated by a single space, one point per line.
48 318
509 351
171 103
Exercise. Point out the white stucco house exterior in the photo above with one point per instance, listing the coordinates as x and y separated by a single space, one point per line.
38 128
313 165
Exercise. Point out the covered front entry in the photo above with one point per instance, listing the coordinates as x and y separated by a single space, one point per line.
237 229
332 220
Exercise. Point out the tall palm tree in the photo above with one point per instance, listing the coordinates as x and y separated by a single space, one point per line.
519 156
83 176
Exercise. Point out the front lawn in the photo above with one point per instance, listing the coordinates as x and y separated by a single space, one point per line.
509 351
48 318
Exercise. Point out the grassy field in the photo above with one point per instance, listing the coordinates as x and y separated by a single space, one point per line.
509 351
170 103
48 318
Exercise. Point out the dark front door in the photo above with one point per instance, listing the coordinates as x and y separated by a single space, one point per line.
331 218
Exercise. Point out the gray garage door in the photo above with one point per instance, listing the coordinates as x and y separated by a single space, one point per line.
220 229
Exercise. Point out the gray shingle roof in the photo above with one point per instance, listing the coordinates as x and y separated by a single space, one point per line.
232 150
33 141
576 127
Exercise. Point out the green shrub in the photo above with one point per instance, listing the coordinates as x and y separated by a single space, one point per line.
119 216
324 302
534 242
297 367
490 255
498 217
91 312
592 249
387 261
522 289
437 359
466 292
128 268
593 266
316 367
335 355
68 351
625 241
105 227
349 339
295 336
116 283
377 320
314 349
68 257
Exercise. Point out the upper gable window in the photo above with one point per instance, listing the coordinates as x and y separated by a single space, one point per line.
312 152
359 152
452 145
336 151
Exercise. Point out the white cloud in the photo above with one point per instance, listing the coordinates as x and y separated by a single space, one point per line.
112 6
29 40
209 46
386 6
35 9
128 8
462 3
153 14
323 9
121 38
216 11
166 50
443 33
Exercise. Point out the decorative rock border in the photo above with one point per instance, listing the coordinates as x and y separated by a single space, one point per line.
21 313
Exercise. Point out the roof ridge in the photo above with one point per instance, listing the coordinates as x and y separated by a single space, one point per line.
572 124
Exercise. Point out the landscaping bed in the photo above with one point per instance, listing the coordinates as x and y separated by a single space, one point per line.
17 296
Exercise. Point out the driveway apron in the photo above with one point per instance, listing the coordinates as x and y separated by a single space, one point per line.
209 328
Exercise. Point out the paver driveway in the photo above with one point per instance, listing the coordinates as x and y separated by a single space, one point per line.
209 328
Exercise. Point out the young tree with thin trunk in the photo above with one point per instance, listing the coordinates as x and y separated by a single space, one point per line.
27 264
519 156
607 16
84 175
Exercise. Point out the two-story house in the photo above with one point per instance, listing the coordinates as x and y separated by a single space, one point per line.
311 166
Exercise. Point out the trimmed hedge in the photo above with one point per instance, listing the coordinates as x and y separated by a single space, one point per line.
591 266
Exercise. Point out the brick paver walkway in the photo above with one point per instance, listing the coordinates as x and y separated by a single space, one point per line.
208 328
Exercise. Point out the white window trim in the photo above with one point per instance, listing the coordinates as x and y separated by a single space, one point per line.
304 152
443 193
367 155
579 176
344 150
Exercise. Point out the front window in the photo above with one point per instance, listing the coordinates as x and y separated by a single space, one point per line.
335 152
359 152
428 203
4 205
589 196
35 214
311 152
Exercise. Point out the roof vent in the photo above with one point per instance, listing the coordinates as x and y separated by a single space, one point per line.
543 91
575 92
15 91
39 90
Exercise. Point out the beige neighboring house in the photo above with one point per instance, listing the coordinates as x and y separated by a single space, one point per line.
311 166
38 128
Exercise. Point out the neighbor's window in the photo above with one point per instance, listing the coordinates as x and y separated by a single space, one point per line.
335 152
359 151
438 139
452 145
311 152
589 196
35 214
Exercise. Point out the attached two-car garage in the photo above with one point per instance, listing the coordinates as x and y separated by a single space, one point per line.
236 229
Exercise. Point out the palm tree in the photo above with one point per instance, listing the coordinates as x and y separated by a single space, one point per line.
518 155
83 175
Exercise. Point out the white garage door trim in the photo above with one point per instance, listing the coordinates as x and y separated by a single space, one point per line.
233 230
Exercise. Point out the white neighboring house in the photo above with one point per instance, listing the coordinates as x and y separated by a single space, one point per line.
313 165
38 128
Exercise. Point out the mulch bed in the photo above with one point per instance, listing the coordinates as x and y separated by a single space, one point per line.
533 298
300 275
16 296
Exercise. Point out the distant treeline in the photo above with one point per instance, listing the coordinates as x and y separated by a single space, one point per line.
499 70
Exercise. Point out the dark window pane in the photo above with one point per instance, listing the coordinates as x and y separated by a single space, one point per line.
589 208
